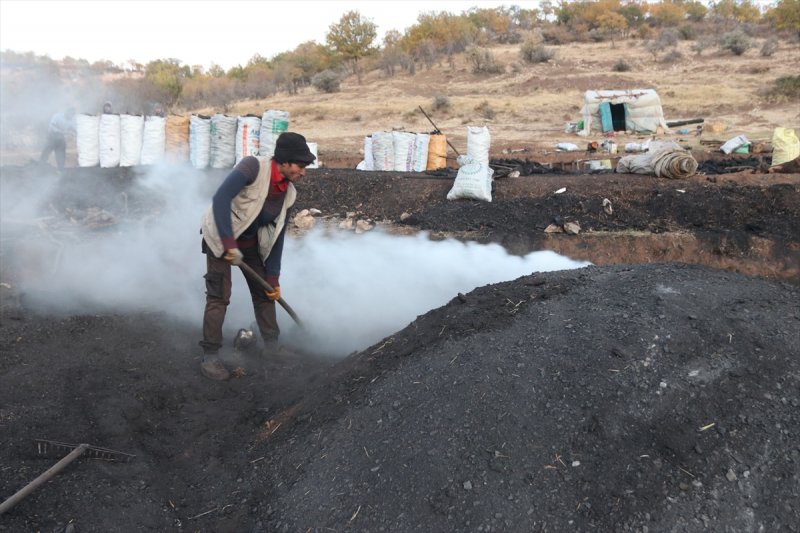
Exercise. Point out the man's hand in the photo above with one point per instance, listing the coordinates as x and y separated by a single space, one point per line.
233 256
274 295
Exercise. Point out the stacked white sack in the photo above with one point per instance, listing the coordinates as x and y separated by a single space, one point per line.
154 140
223 141
108 140
87 138
273 123
199 141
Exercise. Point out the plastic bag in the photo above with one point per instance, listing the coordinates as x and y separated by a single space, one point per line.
785 146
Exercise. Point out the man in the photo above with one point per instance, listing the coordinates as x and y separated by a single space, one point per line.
108 109
246 223
59 125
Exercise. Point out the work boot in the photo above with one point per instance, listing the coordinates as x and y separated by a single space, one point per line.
212 368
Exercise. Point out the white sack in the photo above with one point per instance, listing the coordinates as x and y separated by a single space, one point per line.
130 149
273 123
87 139
313 148
369 162
248 134
478 141
199 141
382 150
421 142
473 181
223 141
154 140
109 140
403 148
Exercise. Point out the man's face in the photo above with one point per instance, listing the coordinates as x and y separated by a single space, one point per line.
292 171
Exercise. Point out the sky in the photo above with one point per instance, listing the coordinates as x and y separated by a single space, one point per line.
199 32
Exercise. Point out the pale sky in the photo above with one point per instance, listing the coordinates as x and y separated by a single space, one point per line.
199 32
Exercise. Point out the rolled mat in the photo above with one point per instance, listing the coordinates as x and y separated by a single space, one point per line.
665 159
674 165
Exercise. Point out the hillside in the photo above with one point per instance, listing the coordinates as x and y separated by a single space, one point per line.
531 103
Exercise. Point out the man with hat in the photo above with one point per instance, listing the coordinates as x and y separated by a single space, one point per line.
246 223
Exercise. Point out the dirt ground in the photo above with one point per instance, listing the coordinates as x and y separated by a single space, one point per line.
658 390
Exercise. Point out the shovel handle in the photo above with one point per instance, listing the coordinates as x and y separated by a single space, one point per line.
252 274
44 477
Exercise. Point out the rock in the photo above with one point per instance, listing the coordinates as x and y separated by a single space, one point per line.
363 225
572 228
553 228
303 220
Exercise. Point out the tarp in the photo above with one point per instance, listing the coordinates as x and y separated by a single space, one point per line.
643 112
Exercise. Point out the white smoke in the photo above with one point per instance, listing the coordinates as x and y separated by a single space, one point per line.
349 290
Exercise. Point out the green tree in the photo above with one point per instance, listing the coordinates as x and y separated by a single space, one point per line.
352 38
739 10
695 10
168 75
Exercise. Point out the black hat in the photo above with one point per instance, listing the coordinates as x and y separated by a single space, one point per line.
292 148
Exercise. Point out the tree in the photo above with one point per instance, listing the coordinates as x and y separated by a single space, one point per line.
612 24
666 14
785 15
168 75
352 38
695 10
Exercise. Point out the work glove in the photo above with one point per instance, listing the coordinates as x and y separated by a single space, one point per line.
233 256
274 295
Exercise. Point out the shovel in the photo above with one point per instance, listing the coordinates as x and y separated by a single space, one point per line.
44 447
252 274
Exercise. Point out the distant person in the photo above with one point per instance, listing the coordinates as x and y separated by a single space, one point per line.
246 223
158 110
108 109
56 142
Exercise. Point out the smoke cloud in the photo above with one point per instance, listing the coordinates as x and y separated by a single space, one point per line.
349 290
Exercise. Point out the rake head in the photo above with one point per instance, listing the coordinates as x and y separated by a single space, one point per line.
51 448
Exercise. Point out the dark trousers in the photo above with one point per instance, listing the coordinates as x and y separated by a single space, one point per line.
218 296
57 144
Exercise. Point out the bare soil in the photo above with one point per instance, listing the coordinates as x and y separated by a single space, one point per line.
657 390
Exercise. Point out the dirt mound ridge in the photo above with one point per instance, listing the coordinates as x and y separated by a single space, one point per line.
621 398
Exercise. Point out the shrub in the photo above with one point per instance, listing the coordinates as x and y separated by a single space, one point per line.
557 35
440 103
621 66
701 44
485 110
668 37
672 56
536 53
326 81
645 32
785 88
769 47
736 41
596 35
688 32
483 61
